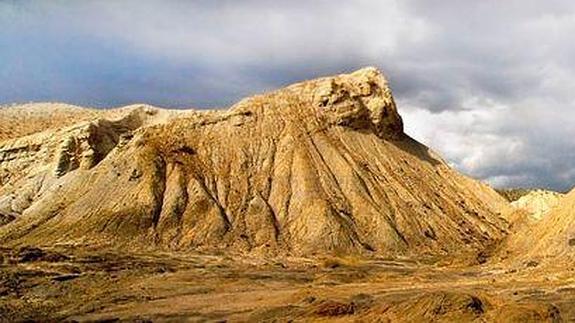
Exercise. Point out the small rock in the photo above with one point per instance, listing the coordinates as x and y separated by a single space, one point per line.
28 254
65 277
532 264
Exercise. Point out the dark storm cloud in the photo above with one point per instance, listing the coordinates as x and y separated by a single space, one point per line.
487 83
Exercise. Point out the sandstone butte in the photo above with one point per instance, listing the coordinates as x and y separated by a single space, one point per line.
318 167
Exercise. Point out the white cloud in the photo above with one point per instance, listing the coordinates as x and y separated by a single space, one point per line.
489 84
254 32
503 145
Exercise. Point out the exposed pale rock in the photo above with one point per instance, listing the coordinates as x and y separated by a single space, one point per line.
538 202
551 239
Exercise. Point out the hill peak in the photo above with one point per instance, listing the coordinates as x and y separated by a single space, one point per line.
361 100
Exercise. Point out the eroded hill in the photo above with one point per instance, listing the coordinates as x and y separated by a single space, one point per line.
318 167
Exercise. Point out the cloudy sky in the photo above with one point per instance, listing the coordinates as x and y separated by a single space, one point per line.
488 84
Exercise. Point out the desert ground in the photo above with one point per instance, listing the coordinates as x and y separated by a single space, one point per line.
58 284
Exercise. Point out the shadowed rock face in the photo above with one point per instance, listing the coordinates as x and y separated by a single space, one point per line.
318 167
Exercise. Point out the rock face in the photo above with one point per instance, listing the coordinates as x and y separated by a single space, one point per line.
318 167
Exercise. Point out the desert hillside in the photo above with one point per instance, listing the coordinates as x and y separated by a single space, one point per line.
318 167
550 240
538 203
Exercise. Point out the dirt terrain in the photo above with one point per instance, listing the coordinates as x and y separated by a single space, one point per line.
308 203
95 285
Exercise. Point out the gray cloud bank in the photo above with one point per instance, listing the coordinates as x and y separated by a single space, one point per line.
489 84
